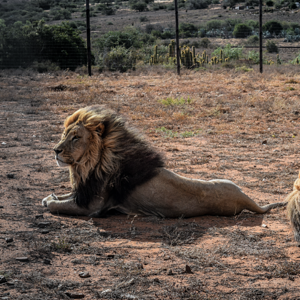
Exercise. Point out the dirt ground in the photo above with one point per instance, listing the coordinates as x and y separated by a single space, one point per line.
216 124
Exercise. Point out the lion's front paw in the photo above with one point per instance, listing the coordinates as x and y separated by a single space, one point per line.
47 200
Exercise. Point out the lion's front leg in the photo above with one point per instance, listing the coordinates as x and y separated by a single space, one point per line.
66 204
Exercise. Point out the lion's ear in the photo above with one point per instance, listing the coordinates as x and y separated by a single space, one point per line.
100 129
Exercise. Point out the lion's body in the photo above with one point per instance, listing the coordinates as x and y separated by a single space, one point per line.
293 208
112 167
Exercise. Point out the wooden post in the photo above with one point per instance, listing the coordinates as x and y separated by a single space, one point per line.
177 37
88 36
260 38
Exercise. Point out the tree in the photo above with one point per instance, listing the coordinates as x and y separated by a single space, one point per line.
34 41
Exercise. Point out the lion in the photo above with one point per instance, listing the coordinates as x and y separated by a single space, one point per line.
112 167
293 208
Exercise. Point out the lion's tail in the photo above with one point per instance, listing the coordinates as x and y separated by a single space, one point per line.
293 208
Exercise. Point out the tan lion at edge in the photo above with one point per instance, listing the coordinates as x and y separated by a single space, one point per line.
112 167
293 208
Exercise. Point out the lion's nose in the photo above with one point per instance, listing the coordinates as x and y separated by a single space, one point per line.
57 151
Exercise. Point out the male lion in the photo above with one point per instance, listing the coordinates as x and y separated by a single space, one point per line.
293 208
112 167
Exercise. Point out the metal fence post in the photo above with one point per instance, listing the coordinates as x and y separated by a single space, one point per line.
88 36
177 37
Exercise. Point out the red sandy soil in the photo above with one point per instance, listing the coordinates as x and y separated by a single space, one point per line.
239 126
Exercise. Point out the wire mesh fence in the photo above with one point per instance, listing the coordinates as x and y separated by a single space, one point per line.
145 42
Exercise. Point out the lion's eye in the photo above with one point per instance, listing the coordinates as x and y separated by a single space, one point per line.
75 138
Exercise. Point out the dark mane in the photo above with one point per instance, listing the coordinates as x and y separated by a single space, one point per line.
134 163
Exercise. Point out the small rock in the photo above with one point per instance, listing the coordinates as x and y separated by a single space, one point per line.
45 231
47 261
264 226
170 272
9 240
84 274
75 295
43 224
167 257
39 216
22 259
264 142
103 293
139 266
156 280
10 175
188 270
1 206
2 279
110 256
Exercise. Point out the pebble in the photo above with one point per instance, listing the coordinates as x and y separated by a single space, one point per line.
264 226
39 216
10 175
188 270
84 274
43 224
103 293
2 279
22 259
45 231
75 295
1 206
110 256
47 261
170 272
9 240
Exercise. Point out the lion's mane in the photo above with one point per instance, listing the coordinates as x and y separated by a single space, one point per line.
116 161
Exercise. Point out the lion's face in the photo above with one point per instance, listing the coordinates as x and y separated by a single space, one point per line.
73 145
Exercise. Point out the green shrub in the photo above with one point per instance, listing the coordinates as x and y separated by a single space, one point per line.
253 24
144 19
241 31
187 30
253 56
158 6
229 52
139 6
214 24
156 33
118 59
273 27
59 44
252 40
271 47
108 10
167 35
130 37
205 42
229 24
197 4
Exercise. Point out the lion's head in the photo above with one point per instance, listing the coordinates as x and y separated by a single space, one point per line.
89 142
